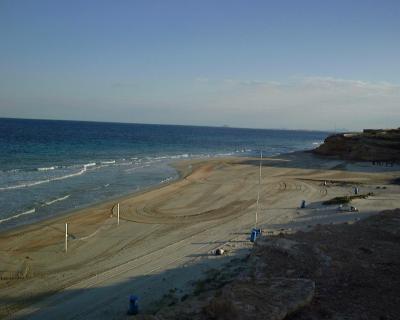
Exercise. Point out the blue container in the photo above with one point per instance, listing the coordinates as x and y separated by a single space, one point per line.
257 230
133 305
253 236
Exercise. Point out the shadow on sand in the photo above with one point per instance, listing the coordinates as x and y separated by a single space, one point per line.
111 301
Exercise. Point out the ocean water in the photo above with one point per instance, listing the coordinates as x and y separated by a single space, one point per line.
49 167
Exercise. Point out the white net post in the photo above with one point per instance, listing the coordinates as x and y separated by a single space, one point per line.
261 156
66 237
258 192
118 213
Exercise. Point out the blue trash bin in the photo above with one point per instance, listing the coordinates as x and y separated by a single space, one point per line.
253 236
133 305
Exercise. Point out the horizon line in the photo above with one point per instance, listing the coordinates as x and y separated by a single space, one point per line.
226 126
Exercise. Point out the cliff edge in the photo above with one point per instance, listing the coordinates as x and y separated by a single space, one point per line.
369 145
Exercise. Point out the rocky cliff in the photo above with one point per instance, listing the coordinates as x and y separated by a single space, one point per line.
369 145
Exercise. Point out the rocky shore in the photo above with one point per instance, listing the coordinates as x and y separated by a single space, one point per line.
379 146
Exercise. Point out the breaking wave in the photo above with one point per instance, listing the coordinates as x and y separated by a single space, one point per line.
35 183
18 215
47 203
108 162
46 168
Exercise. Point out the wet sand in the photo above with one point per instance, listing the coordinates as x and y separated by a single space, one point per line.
166 236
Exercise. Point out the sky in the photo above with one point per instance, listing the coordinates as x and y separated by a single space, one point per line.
299 64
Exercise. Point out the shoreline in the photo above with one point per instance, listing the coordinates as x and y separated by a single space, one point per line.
97 172
182 173
168 233
111 202
105 203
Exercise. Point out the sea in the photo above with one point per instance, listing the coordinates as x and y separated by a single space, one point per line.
50 167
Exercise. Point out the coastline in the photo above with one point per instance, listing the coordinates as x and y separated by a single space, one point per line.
105 203
174 227
53 175
178 165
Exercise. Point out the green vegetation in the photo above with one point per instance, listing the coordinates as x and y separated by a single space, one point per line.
346 199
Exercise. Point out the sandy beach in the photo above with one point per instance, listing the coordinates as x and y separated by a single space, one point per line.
166 237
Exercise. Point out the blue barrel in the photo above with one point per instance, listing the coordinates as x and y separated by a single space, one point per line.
253 236
303 204
258 231
133 305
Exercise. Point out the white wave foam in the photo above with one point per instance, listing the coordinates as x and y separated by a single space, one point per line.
166 180
55 200
136 168
46 168
159 158
35 183
224 154
179 156
24 185
91 164
243 150
128 163
108 162
18 215
317 143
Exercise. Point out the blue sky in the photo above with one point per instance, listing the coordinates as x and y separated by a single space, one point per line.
266 64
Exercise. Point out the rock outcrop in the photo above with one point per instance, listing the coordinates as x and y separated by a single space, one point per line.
369 145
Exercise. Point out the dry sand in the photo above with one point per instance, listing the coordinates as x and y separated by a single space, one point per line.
166 236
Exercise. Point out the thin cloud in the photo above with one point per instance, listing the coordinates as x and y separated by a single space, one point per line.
202 79
308 102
